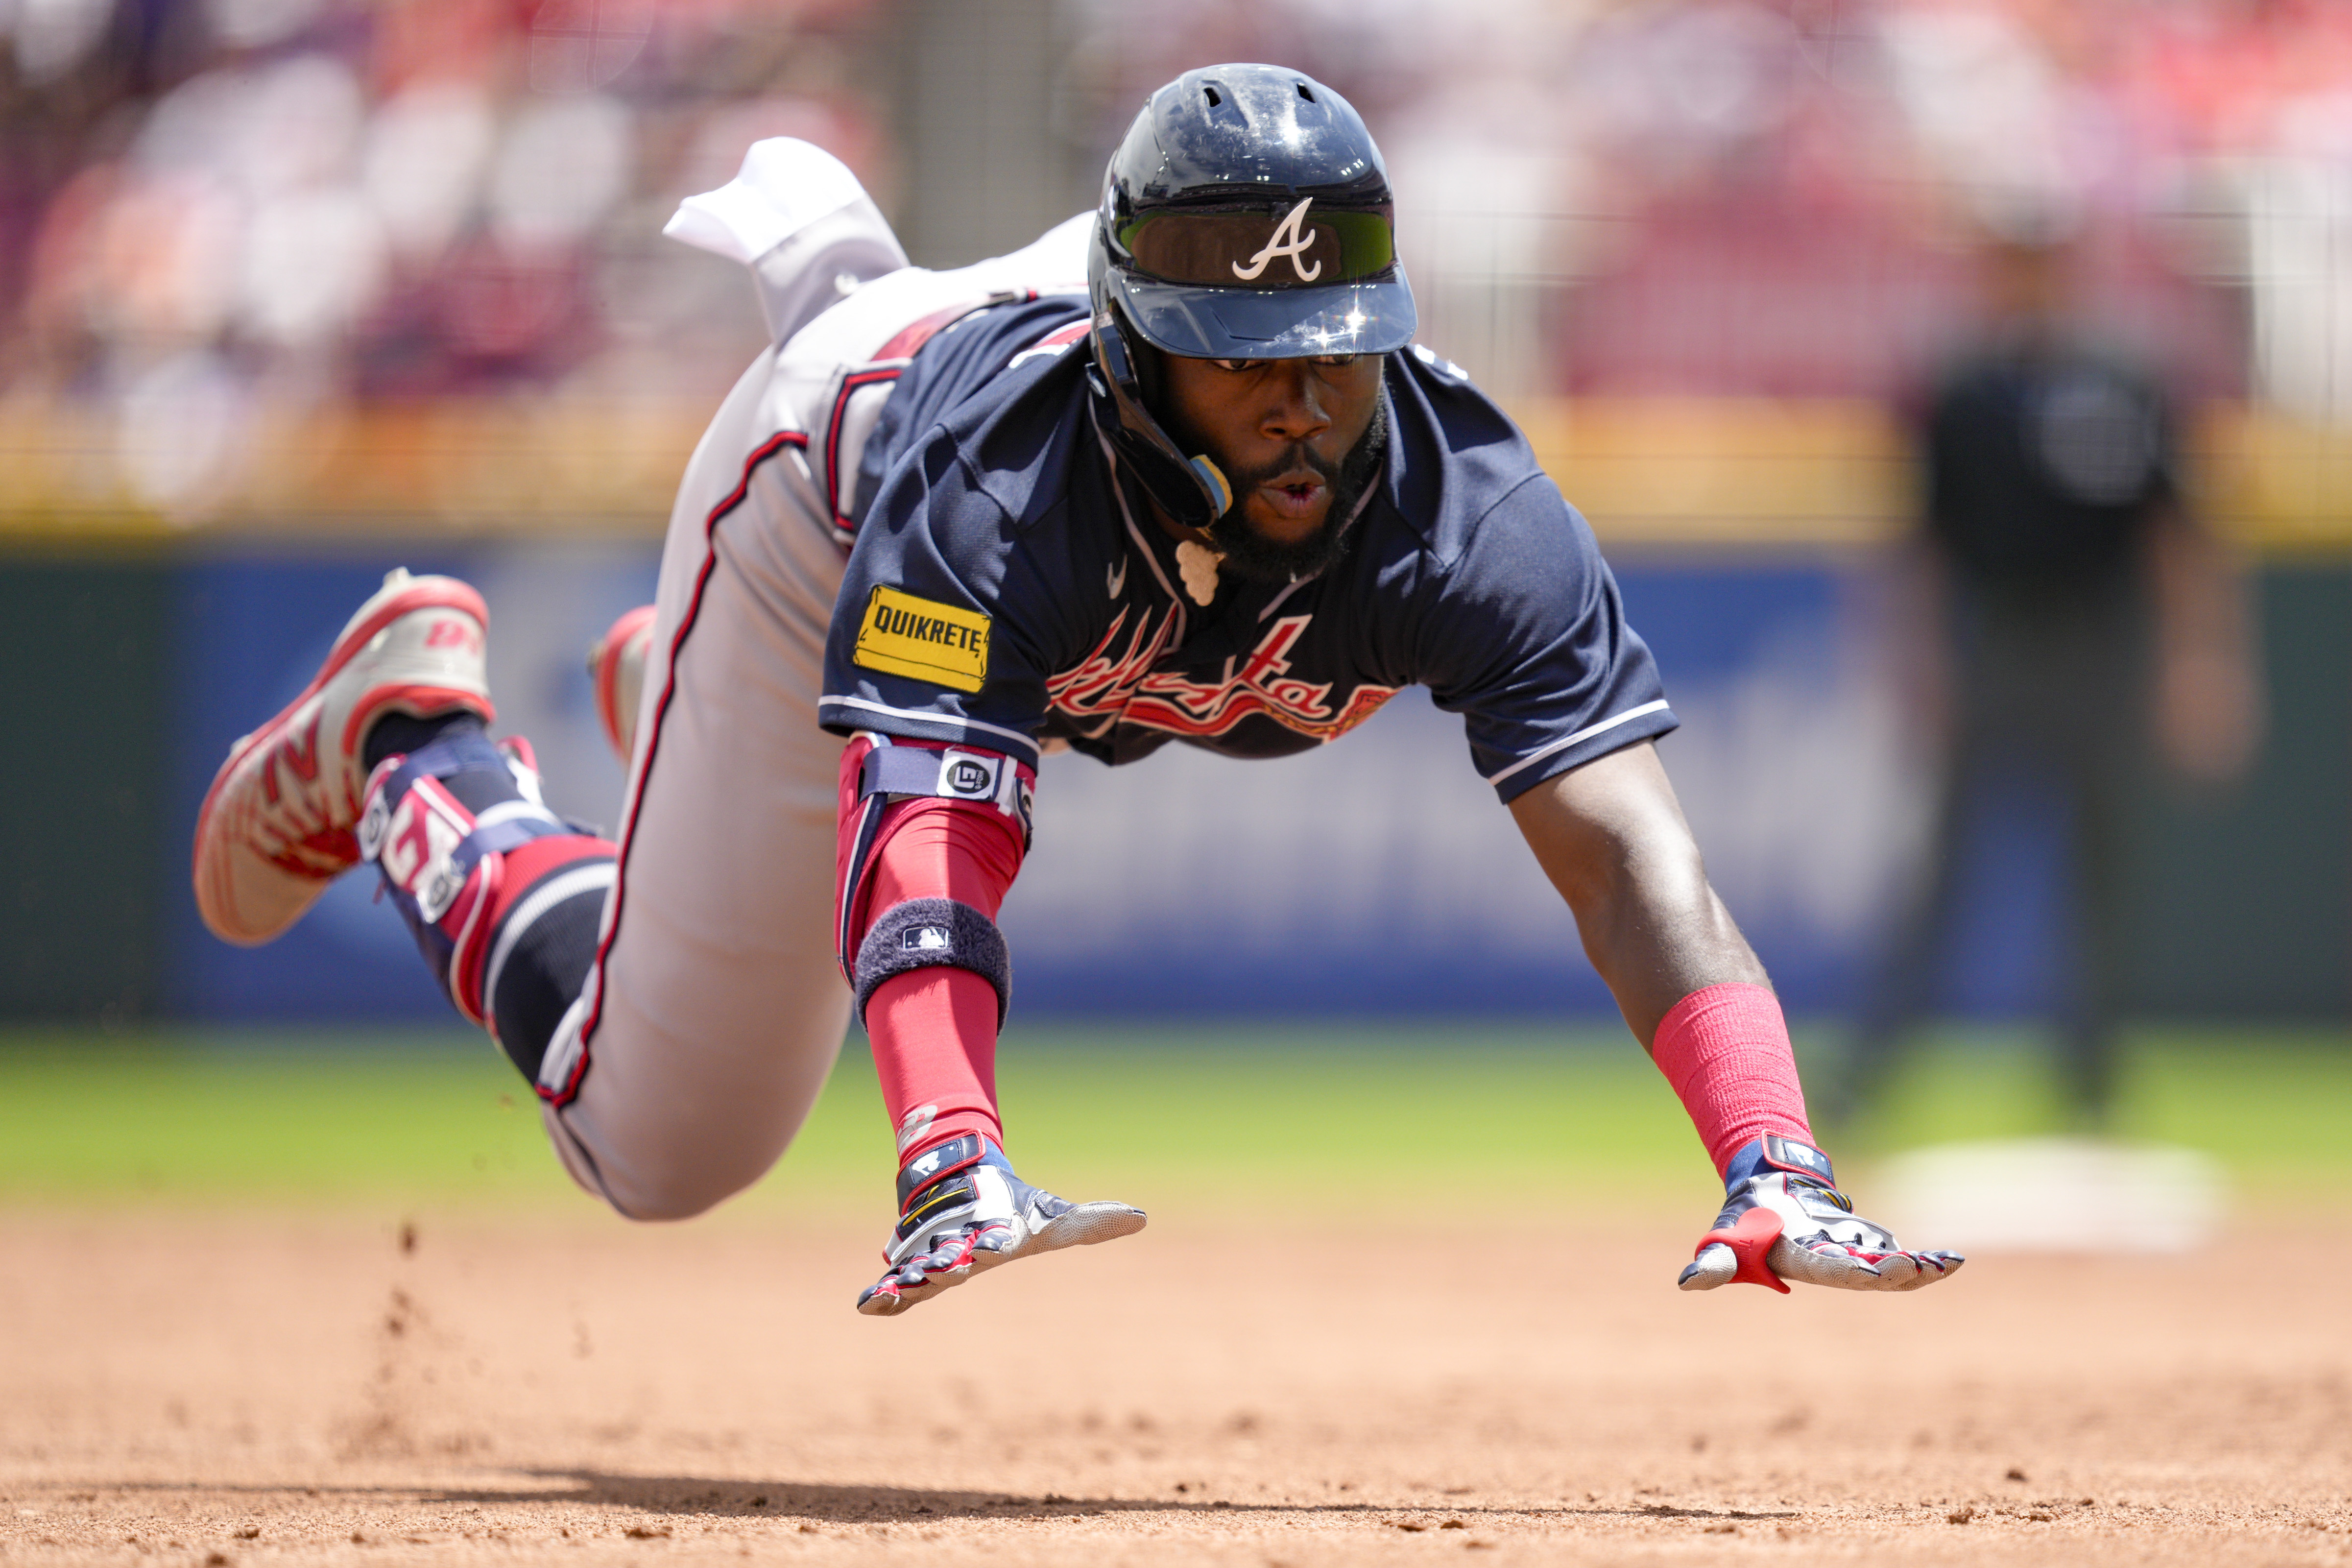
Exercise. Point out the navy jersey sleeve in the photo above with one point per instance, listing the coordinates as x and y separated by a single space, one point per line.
1526 638
959 598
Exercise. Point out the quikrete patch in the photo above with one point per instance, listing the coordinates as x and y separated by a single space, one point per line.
902 634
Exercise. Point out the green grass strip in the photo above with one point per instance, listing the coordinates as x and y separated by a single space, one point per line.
1421 1117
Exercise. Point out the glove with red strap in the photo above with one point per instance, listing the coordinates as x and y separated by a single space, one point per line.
961 1212
1783 1218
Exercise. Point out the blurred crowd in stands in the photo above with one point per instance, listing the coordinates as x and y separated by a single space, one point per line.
287 203
1730 196
307 198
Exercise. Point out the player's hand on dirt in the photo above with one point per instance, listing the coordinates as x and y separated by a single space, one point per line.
961 1212
1783 1218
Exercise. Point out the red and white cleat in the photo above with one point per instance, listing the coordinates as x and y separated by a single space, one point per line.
616 664
278 824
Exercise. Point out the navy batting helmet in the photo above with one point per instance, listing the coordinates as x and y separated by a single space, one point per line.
1246 216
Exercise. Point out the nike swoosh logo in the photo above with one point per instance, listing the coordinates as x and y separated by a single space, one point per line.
1116 578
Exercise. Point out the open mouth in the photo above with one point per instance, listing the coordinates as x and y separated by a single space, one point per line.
1296 494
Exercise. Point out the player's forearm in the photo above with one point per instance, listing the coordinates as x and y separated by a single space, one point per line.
1611 839
1653 947
922 877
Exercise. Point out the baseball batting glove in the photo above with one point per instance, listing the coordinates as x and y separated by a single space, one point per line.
1783 1218
961 1212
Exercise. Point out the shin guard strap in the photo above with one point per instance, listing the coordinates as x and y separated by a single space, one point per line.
925 933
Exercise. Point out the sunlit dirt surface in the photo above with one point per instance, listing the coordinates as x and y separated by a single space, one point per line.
1258 1388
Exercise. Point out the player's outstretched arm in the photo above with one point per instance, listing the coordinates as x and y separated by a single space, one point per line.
1611 837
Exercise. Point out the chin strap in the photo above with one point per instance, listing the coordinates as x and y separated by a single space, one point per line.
1191 489
1219 490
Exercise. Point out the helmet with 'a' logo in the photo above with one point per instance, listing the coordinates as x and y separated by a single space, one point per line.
1246 216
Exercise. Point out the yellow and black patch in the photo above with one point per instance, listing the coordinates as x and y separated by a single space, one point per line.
902 634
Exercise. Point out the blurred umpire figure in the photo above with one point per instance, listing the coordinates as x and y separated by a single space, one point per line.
2066 603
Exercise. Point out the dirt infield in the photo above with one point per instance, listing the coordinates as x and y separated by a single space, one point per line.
262 1388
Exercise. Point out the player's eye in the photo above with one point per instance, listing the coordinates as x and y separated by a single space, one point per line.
1235 365
1337 362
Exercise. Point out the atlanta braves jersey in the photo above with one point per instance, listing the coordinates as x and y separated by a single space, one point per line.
1004 591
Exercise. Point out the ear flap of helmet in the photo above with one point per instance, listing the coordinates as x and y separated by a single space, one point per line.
1192 491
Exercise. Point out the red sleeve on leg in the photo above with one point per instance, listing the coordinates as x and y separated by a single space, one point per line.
1725 1051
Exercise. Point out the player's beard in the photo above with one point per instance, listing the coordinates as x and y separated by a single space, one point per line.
1250 555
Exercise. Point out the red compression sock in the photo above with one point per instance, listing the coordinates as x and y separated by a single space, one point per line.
934 1030
1725 1049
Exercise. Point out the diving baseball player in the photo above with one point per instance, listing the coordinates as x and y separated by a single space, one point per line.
1174 472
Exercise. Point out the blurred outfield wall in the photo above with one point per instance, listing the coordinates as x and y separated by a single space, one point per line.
1374 876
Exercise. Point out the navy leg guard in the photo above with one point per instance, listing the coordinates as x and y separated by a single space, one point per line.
439 822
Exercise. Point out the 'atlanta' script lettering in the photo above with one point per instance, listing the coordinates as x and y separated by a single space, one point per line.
1108 688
